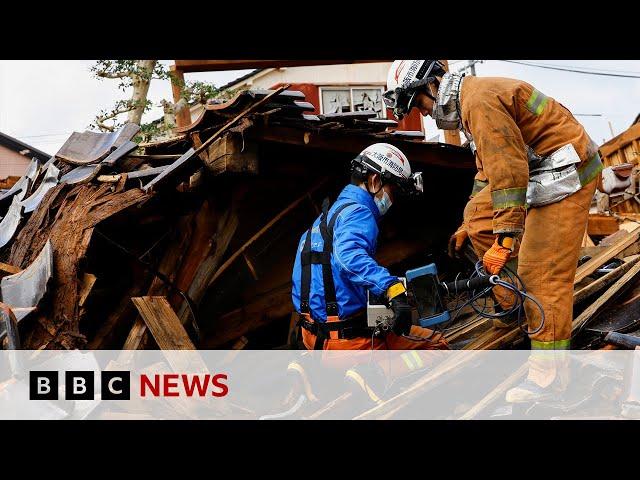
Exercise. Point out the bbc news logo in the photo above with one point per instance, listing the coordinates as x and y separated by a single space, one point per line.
79 385
116 385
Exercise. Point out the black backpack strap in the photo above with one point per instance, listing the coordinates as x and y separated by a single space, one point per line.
327 273
309 257
305 273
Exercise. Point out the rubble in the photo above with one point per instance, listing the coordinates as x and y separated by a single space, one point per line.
189 241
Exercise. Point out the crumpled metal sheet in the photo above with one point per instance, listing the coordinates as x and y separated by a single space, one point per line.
91 147
21 187
49 181
81 174
10 222
119 152
86 173
25 289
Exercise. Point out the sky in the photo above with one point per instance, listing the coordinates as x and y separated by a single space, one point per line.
43 101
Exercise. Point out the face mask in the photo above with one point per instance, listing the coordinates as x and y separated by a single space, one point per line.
383 204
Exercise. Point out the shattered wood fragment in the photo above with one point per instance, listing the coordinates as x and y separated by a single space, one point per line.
139 337
163 323
10 269
623 283
66 217
88 280
604 281
598 260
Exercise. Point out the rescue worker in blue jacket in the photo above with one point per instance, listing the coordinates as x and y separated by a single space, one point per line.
334 266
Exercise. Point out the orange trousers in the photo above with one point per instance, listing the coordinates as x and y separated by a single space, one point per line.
395 366
547 257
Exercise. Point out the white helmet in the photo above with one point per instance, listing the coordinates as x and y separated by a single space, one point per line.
391 164
405 79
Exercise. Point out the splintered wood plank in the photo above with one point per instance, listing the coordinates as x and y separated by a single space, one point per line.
496 393
606 280
88 280
10 269
163 323
597 260
623 283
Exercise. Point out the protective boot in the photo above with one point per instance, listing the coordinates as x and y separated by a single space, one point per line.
547 379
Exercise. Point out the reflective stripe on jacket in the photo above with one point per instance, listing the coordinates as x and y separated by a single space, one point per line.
504 116
354 269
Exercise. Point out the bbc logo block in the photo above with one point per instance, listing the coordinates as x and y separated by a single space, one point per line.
79 385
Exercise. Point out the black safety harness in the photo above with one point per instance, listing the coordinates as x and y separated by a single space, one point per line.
348 328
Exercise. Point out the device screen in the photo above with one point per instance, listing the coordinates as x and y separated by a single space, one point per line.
427 296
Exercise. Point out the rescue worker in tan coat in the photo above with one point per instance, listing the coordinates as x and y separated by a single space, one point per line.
537 171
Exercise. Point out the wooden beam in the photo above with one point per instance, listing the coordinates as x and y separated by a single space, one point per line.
163 323
264 229
422 153
220 65
496 393
604 281
599 259
231 154
602 225
183 116
595 308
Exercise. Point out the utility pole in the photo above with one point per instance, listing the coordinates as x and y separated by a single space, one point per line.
611 128
472 67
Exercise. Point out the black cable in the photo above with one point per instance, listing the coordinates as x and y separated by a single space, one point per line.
515 286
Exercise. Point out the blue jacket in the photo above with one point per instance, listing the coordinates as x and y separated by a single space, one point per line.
354 270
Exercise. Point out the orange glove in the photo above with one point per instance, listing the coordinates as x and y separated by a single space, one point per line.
457 241
498 255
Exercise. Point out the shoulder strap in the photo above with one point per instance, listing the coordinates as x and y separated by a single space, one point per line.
310 257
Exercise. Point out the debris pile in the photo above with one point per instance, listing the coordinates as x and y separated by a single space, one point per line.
209 222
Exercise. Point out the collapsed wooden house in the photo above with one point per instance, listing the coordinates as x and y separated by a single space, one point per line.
210 220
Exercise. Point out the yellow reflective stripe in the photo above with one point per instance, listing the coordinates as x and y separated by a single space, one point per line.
509 197
407 361
537 102
477 186
590 169
360 381
417 358
552 345
305 380
395 290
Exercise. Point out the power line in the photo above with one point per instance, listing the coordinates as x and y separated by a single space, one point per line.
592 69
43 135
572 70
